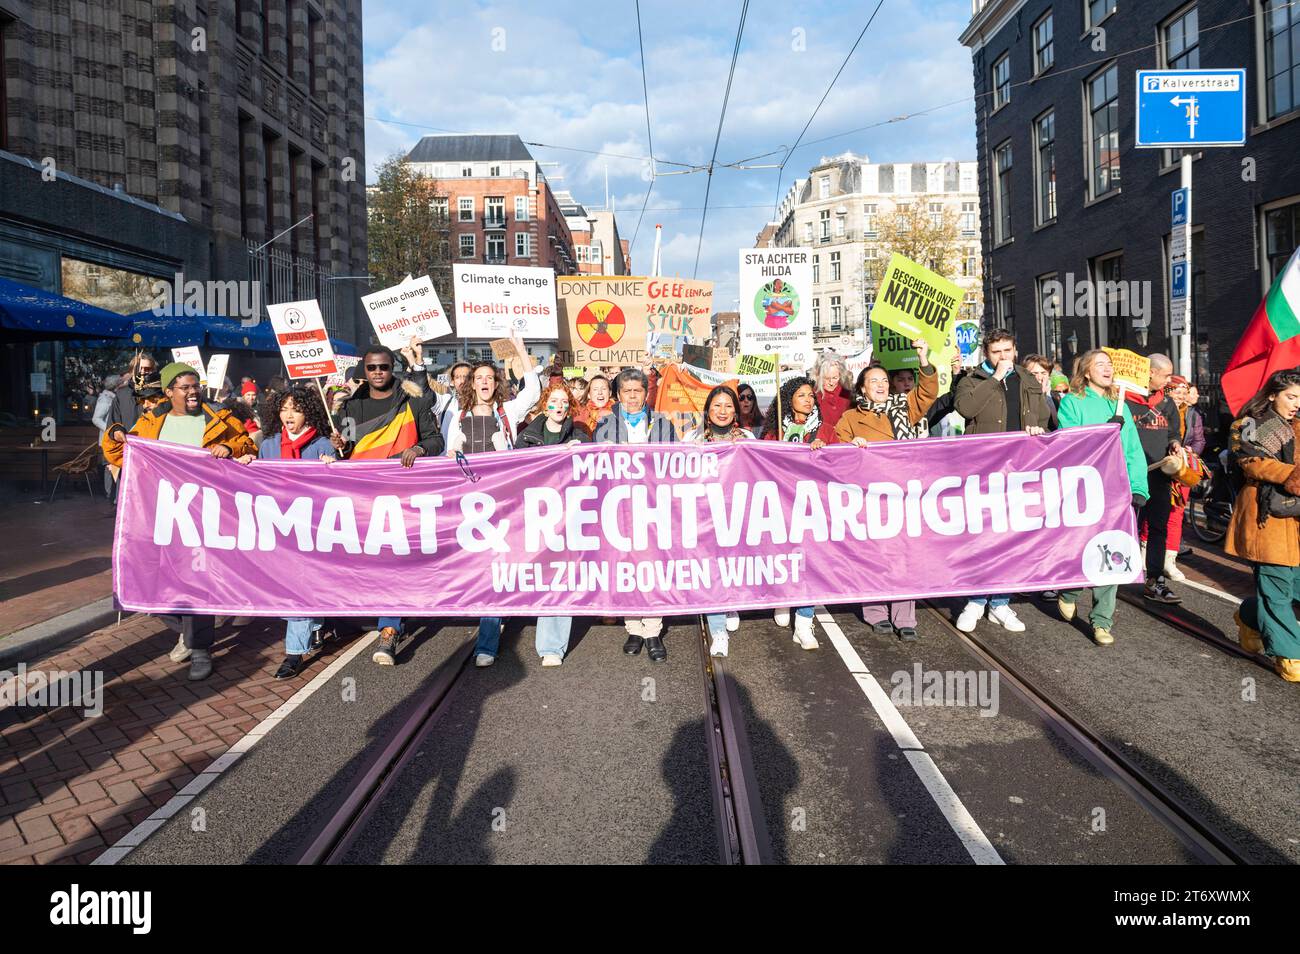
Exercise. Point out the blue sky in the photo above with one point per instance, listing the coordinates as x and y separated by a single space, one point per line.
570 75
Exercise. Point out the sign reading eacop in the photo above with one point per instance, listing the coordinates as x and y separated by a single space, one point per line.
304 343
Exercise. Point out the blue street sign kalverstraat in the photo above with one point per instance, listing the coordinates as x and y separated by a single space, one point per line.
1191 108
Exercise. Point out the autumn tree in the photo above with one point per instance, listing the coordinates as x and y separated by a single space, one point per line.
410 229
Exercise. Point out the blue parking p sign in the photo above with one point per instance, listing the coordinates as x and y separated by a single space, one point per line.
1177 280
1190 108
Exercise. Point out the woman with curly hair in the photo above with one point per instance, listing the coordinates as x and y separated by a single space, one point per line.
296 427
793 417
1265 528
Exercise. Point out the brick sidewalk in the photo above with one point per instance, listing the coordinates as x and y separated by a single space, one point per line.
70 786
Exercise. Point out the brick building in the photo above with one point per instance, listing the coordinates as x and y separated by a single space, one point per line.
598 248
1071 199
141 139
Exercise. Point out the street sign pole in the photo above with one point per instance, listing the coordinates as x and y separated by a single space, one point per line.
1185 339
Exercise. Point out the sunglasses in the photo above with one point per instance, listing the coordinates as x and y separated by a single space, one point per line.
378 367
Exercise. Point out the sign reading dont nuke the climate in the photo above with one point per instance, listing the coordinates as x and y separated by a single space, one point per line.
775 303
630 320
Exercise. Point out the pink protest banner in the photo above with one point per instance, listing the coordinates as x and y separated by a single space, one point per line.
643 530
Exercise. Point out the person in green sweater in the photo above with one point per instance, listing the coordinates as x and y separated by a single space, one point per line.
1094 399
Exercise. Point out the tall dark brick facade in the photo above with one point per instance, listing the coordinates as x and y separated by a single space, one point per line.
1235 189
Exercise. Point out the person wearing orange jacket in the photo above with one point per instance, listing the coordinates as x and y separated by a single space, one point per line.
184 418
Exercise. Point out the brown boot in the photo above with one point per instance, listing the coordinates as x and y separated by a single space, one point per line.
1288 669
1249 639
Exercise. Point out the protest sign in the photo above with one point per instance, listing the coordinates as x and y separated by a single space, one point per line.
572 374
916 302
682 392
966 335
406 311
698 354
627 320
892 350
503 349
304 344
855 363
642 530
345 364
1132 371
496 301
758 363
775 303
190 355
216 371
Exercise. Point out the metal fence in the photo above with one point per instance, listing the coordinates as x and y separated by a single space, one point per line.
282 277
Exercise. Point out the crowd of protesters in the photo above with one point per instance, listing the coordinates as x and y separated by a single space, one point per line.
473 409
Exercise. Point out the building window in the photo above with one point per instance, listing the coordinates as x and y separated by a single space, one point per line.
835 266
1098 10
1007 308
496 247
465 207
494 171
1112 325
467 245
970 263
1103 131
936 215
903 218
1049 316
836 313
871 263
824 187
1045 167
467 172
1044 52
1281 56
817 269
870 215
1002 193
521 208
266 29
313 25
817 314
268 182
440 211
595 252
1180 42
808 232
494 210
968 218
824 224
1002 81
1281 238
839 225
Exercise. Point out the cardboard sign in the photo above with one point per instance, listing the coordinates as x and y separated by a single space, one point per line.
776 303
304 343
503 349
916 302
406 311
572 374
345 364
625 320
697 354
190 355
496 301
216 371
757 363
1132 371
892 350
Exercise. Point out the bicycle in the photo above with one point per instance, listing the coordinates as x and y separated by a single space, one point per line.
1210 503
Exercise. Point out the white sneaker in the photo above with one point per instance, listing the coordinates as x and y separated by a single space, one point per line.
718 646
1171 567
803 632
180 652
970 615
1006 617
483 660
782 617
550 659
733 623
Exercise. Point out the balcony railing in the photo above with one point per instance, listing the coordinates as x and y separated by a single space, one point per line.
494 221
494 259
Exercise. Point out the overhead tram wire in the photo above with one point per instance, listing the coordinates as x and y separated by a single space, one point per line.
781 170
726 97
645 95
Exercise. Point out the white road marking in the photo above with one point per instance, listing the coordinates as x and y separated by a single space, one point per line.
136 836
961 821
1211 590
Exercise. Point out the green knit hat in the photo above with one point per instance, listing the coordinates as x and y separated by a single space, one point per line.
174 370
1057 380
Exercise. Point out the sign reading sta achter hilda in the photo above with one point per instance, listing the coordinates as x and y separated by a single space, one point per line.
775 318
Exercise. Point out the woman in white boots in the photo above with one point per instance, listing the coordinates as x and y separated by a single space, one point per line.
794 417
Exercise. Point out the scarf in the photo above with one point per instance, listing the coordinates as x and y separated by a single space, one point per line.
900 419
714 433
800 433
291 448
1266 436
633 420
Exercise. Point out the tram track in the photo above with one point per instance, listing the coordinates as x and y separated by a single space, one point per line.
1162 803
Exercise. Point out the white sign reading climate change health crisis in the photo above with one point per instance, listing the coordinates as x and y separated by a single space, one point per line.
406 311
776 303
497 301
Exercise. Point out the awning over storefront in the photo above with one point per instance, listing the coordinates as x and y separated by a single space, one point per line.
177 327
30 314
230 335
344 347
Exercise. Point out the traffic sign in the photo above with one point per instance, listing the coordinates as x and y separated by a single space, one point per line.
1181 108
1179 200
1177 280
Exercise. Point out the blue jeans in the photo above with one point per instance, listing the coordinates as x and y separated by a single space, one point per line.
717 623
297 635
394 622
994 601
805 611
553 635
489 636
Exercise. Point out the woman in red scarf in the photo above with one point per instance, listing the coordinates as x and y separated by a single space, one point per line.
297 428
833 397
